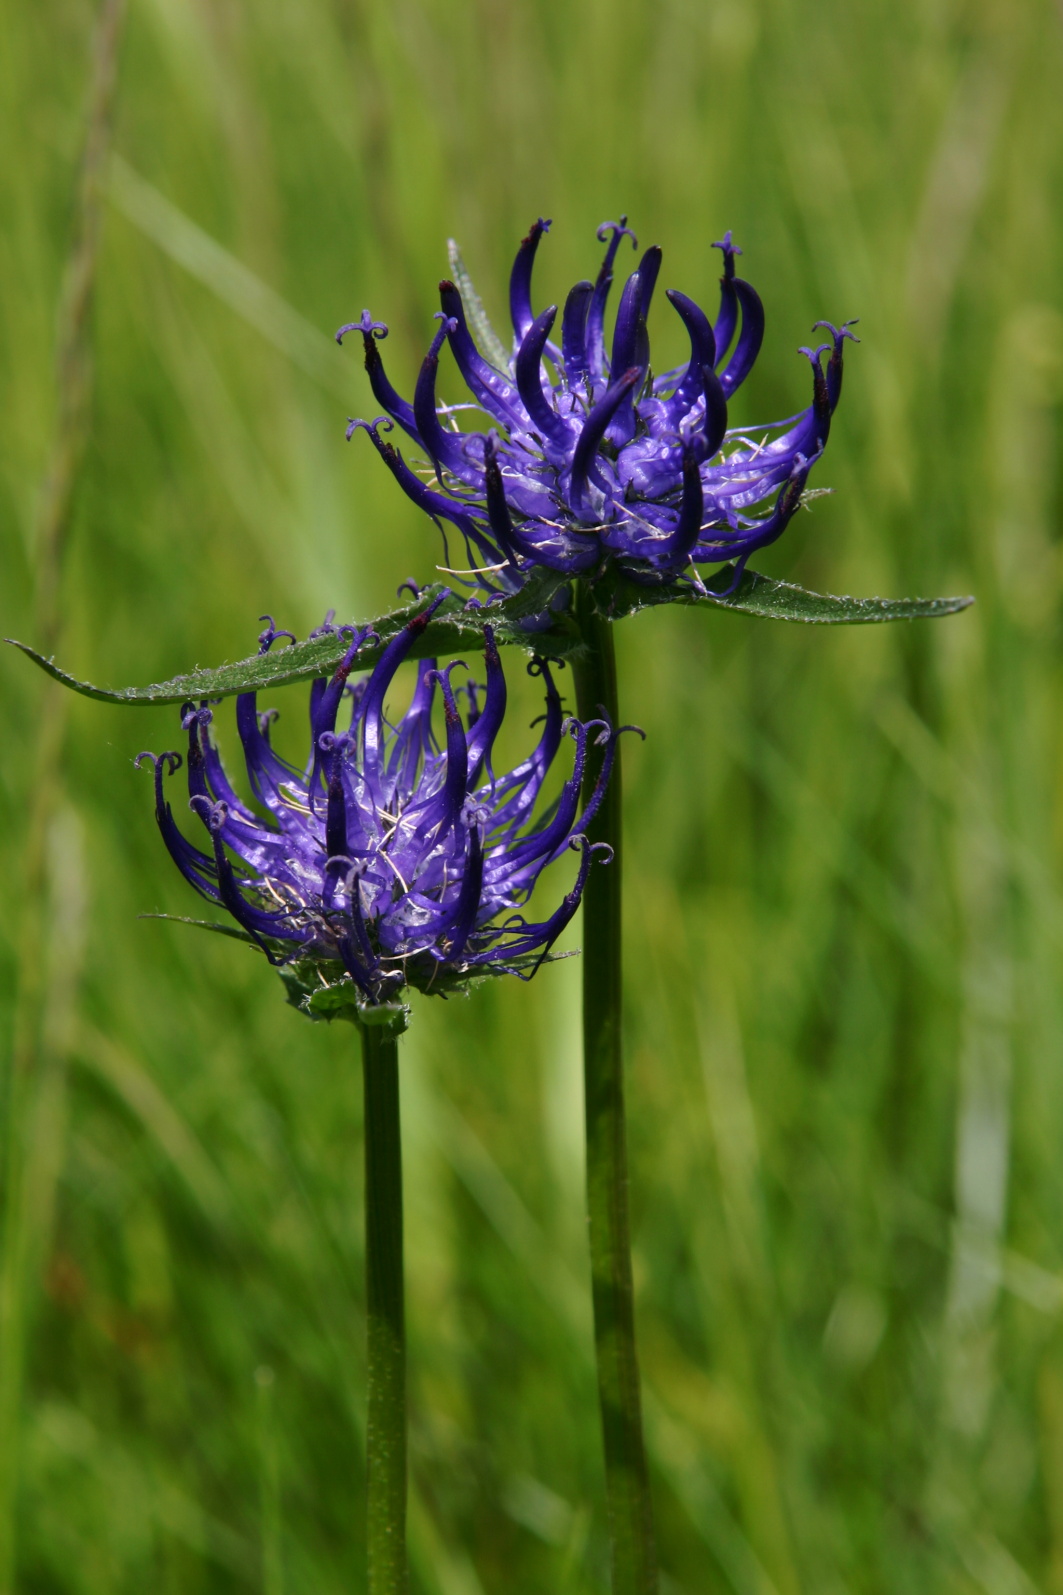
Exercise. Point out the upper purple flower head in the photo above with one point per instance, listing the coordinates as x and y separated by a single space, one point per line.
388 856
592 458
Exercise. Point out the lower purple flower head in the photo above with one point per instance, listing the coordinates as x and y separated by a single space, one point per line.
388 856
593 460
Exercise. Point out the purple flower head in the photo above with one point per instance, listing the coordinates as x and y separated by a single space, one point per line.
389 856
592 459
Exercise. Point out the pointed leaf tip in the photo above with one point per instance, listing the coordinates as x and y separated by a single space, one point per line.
618 596
527 619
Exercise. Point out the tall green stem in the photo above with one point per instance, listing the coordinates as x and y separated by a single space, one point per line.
386 1440
634 1556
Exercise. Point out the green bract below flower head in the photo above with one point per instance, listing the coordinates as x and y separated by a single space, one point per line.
592 460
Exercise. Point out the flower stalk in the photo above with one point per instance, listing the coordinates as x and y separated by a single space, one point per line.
633 1549
389 861
385 1307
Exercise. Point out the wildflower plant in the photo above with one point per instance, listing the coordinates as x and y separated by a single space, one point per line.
594 489
390 859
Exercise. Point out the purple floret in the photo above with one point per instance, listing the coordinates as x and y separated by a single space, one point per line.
592 460
388 854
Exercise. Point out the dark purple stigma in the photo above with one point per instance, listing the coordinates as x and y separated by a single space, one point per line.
267 638
835 363
821 405
730 250
383 392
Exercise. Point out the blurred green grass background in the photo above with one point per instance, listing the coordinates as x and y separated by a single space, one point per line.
844 922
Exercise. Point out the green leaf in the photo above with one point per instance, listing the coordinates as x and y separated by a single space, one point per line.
617 596
490 344
454 628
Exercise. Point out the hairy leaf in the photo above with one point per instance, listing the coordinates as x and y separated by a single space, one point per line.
519 619
538 619
618 596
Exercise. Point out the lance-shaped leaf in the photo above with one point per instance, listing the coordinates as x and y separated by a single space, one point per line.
537 619
617 595
530 618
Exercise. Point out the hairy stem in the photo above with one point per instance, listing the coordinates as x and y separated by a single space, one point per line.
634 1557
386 1439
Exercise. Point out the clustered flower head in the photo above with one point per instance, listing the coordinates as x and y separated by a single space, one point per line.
592 458
389 856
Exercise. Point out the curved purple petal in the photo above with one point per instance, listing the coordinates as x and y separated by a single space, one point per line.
574 332
491 390
727 315
596 314
383 392
444 447
589 439
702 353
520 279
750 338
528 369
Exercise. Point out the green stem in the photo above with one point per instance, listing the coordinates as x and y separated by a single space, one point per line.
634 1556
386 1439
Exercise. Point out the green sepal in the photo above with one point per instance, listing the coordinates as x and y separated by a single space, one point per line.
341 999
454 628
337 997
322 989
